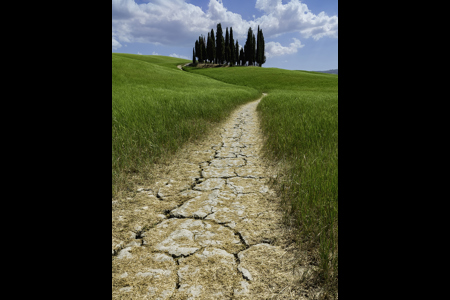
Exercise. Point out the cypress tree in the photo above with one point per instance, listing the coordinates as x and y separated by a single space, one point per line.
220 49
203 46
249 48
253 49
245 50
200 45
193 56
201 53
261 48
232 56
236 52
197 51
258 47
222 52
242 57
227 46
208 48
213 46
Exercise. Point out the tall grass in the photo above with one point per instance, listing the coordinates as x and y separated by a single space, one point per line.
156 108
302 130
300 119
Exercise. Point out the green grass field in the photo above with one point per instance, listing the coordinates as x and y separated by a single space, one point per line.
156 108
300 119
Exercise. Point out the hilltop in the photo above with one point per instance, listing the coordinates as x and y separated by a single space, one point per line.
332 71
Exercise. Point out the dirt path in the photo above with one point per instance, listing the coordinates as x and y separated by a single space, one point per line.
210 228
181 66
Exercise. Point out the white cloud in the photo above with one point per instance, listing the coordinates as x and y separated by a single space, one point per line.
115 44
295 17
267 4
167 22
275 49
178 56
139 53
178 23
154 53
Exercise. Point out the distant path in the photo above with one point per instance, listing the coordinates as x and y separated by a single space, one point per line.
221 234
181 66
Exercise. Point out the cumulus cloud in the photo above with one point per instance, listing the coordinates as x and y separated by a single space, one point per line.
267 4
295 17
115 44
178 23
276 49
166 22
217 13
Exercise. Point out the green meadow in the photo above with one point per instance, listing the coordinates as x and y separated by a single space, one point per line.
156 108
300 120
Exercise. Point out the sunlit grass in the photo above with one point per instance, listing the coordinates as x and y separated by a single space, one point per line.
302 129
157 107
300 120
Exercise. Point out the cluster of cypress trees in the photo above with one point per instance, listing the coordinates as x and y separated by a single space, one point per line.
220 50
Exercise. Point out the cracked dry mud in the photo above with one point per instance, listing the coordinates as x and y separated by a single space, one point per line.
209 228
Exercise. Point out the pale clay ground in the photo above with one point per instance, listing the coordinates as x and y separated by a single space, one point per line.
209 228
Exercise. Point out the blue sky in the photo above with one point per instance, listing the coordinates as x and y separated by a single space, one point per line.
299 35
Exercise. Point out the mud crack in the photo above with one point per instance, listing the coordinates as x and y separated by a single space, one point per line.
209 225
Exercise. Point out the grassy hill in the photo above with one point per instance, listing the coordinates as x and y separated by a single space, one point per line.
157 107
269 79
300 119
332 71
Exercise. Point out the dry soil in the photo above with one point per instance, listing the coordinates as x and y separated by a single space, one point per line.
210 227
